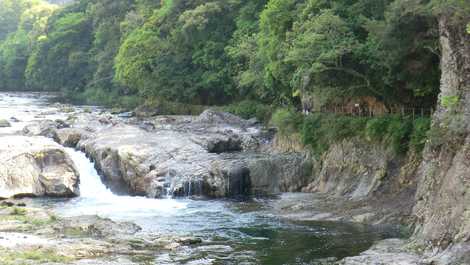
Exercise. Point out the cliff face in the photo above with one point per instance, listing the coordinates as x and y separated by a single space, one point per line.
365 182
443 196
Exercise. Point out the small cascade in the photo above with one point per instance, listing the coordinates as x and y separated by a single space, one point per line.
168 187
90 182
96 198
193 187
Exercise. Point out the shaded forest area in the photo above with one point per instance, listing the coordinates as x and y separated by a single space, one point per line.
248 54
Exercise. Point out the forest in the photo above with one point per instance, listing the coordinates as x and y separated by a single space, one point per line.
271 132
220 52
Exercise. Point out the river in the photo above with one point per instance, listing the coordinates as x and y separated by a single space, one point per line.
233 232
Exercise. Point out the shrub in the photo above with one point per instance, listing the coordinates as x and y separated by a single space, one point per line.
418 137
398 134
287 121
376 128
248 109
319 131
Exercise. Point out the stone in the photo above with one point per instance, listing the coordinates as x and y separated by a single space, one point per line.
442 207
189 240
70 137
214 155
95 226
35 166
390 252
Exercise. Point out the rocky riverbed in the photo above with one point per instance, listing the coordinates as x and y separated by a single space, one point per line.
127 188
213 156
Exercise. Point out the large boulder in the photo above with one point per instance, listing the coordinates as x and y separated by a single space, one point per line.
45 128
35 166
215 155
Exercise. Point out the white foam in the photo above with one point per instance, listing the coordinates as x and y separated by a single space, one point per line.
97 199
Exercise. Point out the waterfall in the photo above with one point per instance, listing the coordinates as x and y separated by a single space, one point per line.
90 182
96 199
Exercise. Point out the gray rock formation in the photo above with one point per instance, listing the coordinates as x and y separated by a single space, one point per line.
357 169
35 166
389 252
215 154
443 209
45 128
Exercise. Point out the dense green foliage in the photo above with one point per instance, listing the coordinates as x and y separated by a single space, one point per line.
277 52
22 25
319 131
250 56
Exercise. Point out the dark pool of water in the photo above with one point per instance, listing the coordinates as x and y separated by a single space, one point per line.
237 232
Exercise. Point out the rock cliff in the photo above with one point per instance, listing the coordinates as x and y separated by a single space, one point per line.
443 196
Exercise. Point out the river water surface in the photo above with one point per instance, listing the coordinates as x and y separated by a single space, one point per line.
233 232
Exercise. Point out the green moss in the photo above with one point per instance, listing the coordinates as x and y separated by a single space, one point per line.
18 211
449 102
8 257
21 215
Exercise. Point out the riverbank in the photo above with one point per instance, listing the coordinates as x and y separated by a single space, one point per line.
188 231
357 189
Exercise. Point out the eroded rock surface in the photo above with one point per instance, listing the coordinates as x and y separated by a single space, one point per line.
215 154
35 166
442 202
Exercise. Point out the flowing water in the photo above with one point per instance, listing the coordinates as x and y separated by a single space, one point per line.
234 232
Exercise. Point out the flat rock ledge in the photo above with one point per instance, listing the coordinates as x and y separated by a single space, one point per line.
34 167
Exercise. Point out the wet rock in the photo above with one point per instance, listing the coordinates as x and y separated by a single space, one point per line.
94 226
4 123
390 252
35 166
209 155
7 204
189 240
